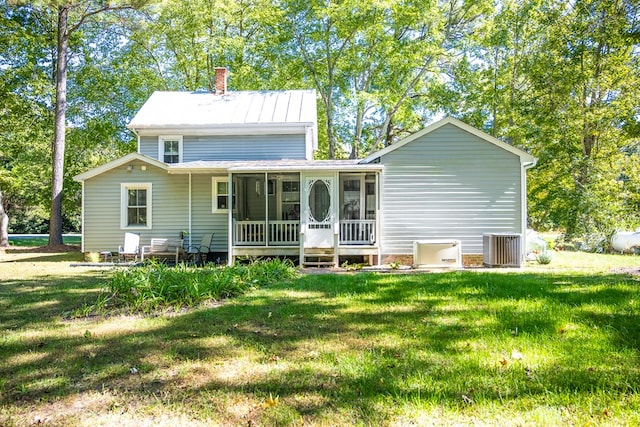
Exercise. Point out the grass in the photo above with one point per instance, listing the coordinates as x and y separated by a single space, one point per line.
555 344
42 240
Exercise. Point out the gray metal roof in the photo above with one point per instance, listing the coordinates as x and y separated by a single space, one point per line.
235 166
177 109
271 165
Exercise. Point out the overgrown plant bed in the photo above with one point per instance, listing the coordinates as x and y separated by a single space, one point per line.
155 286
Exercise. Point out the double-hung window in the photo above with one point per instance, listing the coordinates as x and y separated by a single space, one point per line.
135 206
170 149
220 195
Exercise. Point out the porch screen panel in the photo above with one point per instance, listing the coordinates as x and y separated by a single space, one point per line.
351 199
283 206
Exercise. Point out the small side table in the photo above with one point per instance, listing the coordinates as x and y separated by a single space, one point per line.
107 255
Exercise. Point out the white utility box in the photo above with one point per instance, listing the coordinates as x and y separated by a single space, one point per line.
440 253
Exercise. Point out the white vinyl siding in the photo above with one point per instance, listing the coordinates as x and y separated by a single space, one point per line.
448 184
103 209
232 147
204 221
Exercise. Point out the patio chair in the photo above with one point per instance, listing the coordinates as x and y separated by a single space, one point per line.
130 249
200 252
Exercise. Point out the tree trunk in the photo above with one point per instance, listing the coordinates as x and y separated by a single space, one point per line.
4 225
55 221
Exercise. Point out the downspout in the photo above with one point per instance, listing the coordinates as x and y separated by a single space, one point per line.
137 137
524 206
190 210
82 219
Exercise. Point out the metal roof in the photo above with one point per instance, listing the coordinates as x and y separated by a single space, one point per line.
272 165
178 109
235 166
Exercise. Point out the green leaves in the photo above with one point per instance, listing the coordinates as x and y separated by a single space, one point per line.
560 80
156 286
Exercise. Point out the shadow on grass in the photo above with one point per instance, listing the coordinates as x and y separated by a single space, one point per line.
36 303
39 256
352 340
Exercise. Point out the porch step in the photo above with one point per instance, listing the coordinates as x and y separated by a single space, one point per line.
318 264
318 257
318 251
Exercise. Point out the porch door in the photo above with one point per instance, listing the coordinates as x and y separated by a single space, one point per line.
319 207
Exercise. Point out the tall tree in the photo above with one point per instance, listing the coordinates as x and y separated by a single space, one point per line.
82 11
375 64
585 81
561 80
70 17
26 125
105 90
4 224
188 42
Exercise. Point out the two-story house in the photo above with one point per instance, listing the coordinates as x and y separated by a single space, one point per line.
240 165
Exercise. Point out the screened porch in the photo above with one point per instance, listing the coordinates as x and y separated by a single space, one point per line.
268 206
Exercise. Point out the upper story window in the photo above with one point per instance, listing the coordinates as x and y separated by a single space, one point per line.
135 205
170 149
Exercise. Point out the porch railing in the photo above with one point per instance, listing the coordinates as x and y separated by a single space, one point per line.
252 233
357 231
249 233
284 232
287 233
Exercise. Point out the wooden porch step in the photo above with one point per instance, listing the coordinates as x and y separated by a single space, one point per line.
318 251
318 257
319 264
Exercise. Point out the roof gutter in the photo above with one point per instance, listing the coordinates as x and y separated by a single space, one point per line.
265 168
221 129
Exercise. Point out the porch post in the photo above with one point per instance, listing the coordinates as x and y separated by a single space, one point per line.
301 258
231 256
378 217
265 192
336 218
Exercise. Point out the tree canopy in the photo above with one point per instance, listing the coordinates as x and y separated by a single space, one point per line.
560 80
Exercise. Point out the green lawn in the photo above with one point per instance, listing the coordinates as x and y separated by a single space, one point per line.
541 346
42 240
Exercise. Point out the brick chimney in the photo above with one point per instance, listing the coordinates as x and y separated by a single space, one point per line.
221 81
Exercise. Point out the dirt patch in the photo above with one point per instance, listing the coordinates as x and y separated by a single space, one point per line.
635 272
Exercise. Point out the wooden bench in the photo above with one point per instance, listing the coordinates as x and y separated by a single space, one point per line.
164 249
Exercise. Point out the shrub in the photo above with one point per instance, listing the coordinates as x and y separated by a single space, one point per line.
543 258
155 285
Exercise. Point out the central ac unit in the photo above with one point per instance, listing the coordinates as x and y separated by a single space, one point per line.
437 253
502 250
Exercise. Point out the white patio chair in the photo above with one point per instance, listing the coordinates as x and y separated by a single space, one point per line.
130 249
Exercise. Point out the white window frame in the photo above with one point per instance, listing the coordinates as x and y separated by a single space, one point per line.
214 193
162 139
124 204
